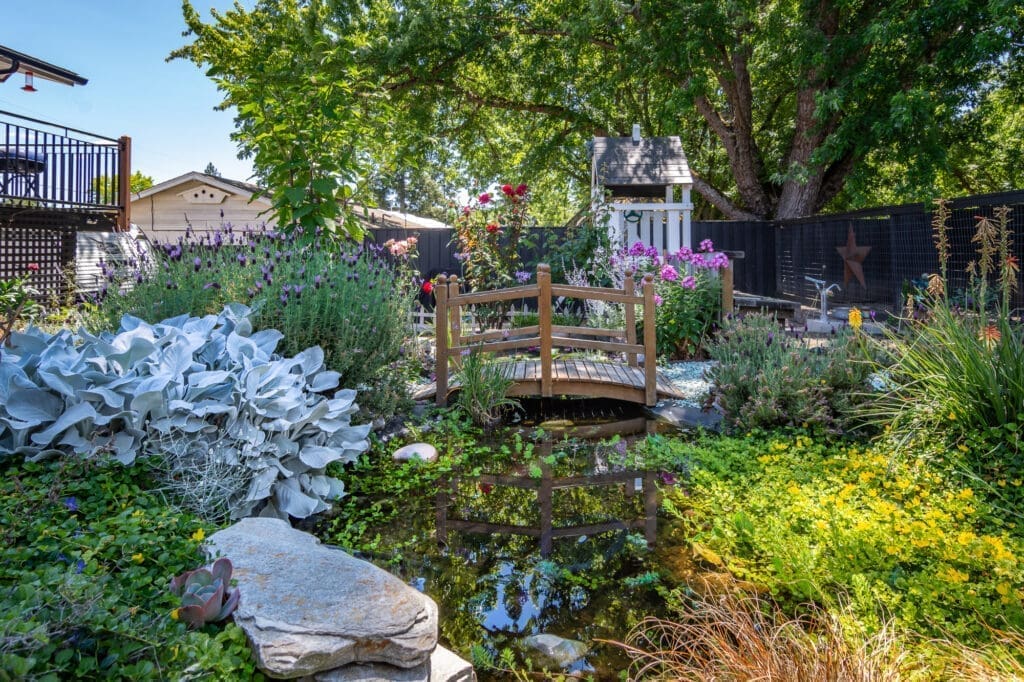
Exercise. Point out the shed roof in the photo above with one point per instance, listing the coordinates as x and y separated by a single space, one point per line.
236 187
651 162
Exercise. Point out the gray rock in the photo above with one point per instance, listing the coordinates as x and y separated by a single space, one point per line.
561 651
686 417
444 666
307 608
421 451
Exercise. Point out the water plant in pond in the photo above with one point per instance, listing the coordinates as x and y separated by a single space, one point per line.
483 384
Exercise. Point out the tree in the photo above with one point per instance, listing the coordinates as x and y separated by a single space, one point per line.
303 103
211 170
104 187
787 97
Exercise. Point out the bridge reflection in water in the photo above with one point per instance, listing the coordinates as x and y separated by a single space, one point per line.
593 479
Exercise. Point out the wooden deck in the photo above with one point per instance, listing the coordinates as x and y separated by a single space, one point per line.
575 377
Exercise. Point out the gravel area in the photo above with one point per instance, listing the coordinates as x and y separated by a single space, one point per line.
689 379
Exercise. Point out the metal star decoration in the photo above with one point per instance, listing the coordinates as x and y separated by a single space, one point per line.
853 258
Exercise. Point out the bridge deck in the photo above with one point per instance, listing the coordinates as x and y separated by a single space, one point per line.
574 376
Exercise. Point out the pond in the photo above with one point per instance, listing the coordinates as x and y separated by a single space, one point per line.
536 544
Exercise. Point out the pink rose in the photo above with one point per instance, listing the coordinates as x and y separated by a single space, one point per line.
484 198
521 189
507 190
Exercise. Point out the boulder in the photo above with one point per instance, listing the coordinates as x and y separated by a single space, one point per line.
559 650
421 451
307 608
444 666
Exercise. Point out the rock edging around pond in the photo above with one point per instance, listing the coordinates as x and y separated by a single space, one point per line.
315 612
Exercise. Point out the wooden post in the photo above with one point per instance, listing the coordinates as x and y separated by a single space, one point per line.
124 183
441 341
546 506
455 317
629 288
650 344
727 287
544 313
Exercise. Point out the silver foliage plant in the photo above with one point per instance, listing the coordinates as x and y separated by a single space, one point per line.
204 393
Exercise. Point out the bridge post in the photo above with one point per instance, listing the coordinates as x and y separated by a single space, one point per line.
544 315
454 318
441 341
650 344
629 288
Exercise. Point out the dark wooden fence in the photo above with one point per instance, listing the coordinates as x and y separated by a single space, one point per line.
901 243
780 255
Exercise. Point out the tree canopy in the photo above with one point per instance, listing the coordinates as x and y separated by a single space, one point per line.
785 107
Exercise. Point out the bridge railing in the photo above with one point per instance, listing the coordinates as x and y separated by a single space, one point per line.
451 343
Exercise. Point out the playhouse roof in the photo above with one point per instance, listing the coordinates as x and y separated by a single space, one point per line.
640 168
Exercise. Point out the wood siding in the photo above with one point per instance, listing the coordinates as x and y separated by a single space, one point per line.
164 216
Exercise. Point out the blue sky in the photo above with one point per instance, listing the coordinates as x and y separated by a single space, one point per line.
120 46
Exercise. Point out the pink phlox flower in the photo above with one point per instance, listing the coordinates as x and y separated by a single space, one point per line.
689 282
707 245
668 273
658 300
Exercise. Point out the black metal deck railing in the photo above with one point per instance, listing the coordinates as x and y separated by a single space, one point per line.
46 165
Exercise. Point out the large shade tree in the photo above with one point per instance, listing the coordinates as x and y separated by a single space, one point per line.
779 103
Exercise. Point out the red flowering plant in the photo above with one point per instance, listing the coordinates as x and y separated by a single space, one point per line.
488 232
17 300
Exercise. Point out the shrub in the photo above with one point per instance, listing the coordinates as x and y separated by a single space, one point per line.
687 293
766 378
193 389
354 304
960 371
87 552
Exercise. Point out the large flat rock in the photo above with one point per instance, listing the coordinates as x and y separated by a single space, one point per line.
307 608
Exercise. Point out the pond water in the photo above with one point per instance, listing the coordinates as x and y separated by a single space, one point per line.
564 543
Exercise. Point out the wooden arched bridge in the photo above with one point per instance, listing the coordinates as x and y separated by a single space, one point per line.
617 376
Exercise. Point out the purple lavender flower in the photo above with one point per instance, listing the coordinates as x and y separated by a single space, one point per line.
241 259
523 276
197 263
317 282
211 285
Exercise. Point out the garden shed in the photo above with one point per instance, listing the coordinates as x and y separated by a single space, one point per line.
642 185
205 202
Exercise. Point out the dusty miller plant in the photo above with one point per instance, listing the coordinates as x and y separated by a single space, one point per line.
209 385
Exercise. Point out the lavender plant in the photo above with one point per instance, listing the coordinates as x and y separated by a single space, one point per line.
351 301
766 378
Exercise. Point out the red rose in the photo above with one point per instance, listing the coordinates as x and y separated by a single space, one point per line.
484 198
492 227
485 488
33 267
428 287
507 190
521 189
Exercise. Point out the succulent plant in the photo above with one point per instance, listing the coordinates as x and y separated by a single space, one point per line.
206 594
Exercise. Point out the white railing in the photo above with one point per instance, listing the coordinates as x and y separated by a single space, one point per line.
665 226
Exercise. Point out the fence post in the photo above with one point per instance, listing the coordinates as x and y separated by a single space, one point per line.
544 315
650 344
124 179
629 288
441 340
727 287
